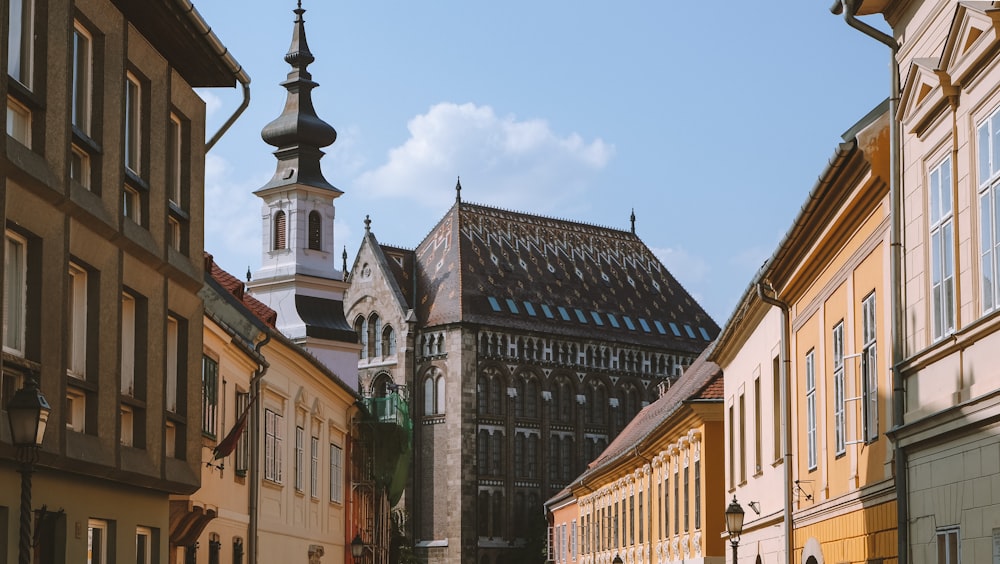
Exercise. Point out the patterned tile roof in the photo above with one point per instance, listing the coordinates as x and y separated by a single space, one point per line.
235 286
400 263
503 268
703 380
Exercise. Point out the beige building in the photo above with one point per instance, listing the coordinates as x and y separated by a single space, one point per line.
302 469
822 303
949 117
101 176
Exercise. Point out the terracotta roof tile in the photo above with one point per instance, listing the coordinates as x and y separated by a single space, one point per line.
702 380
235 286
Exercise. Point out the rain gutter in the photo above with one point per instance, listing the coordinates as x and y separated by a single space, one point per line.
849 9
221 51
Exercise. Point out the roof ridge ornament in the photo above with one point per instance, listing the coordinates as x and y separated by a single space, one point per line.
633 221
458 190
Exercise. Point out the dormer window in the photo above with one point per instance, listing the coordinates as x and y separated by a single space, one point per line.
279 231
315 230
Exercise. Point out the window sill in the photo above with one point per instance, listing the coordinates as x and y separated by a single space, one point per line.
85 142
135 181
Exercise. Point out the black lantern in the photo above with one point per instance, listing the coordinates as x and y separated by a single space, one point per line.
617 560
734 524
357 546
28 412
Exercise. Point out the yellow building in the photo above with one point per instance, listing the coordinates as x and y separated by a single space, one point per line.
949 120
655 495
828 281
101 180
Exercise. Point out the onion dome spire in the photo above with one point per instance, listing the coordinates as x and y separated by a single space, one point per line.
298 133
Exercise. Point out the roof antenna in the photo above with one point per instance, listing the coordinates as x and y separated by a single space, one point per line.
458 190
633 221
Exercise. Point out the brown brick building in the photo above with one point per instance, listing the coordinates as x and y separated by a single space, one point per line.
526 343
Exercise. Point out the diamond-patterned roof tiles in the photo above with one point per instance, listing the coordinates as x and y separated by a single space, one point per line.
503 268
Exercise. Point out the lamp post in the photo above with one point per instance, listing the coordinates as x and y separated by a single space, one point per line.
734 524
28 412
357 547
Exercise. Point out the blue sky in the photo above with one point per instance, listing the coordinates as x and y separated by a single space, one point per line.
711 119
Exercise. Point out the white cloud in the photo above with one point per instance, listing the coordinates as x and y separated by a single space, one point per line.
232 216
503 161
688 269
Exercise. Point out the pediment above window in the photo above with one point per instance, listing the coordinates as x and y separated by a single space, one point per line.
971 42
925 95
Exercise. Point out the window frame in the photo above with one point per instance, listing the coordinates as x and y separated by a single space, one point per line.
147 555
132 141
102 556
336 473
839 391
300 470
76 326
941 235
209 396
314 467
952 538
869 369
82 79
811 444
273 441
15 272
988 196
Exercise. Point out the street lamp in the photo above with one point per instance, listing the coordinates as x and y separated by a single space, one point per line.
28 412
734 524
357 547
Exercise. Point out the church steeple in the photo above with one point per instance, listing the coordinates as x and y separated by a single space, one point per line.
298 209
298 133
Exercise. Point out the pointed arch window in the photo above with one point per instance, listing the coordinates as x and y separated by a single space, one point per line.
388 340
315 230
361 327
280 225
374 334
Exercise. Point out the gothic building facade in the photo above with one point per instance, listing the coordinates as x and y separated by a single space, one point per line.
526 344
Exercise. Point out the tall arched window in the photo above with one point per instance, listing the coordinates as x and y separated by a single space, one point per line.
429 396
531 397
375 334
315 230
498 520
279 231
388 340
361 327
600 405
439 400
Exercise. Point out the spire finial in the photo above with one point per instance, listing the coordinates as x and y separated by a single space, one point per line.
458 190
633 221
298 133
344 256
248 273
368 223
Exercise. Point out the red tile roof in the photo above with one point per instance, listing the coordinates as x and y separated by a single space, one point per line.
703 380
237 289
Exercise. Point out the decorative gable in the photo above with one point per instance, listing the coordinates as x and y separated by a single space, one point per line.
972 40
925 95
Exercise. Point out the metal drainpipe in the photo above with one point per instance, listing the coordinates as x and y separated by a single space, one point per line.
254 466
241 76
849 8
786 428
